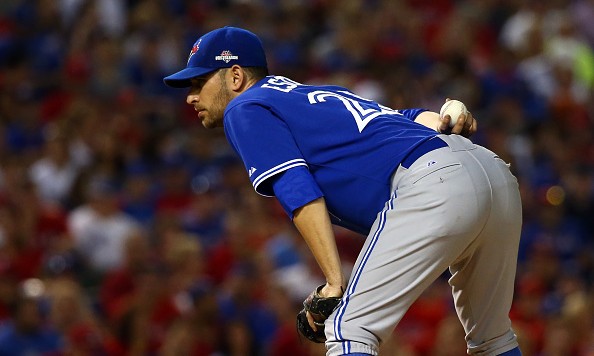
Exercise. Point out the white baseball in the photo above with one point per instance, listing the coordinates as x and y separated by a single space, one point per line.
454 108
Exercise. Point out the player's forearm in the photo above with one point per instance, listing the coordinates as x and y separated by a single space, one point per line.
313 223
429 119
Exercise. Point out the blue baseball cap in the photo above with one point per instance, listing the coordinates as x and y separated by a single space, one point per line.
220 48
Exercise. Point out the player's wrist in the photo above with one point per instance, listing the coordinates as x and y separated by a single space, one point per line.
332 289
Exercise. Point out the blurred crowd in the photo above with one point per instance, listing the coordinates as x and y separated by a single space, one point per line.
128 229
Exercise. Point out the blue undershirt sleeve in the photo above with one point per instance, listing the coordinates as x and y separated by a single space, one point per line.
411 114
294 188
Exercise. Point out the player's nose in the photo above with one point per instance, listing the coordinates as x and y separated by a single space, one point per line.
193 94
192 98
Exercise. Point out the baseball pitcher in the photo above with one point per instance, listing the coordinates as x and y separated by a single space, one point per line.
426 201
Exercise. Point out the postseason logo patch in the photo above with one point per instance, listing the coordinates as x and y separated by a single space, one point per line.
226 56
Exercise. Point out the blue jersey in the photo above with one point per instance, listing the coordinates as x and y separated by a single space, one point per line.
349 145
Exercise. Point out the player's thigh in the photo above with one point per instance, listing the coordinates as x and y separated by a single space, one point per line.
419 234
483 278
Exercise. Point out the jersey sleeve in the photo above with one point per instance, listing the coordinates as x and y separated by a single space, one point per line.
411 114
294 188
264 143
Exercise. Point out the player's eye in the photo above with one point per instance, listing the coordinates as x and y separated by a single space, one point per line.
199 82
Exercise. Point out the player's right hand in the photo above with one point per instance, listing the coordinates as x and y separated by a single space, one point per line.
465 126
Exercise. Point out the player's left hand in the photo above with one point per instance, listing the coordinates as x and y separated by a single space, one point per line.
317 307
465 126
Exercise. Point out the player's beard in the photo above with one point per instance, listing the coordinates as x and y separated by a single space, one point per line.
214 116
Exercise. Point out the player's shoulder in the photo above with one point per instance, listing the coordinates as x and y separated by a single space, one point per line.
274 86
253 94
280 92
267 92
280 86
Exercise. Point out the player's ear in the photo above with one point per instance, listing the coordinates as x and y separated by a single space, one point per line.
237 78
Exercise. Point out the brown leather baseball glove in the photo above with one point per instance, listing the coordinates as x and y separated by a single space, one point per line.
320 309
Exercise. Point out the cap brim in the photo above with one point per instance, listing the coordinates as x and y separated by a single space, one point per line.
182 78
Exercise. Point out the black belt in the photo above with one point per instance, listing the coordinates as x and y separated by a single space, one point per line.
425 147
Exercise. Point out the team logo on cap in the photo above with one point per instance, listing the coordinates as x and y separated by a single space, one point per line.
194 49
226 56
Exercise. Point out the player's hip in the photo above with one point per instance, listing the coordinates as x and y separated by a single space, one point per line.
463 179
459 156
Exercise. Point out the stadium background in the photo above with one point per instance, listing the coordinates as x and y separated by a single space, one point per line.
128 229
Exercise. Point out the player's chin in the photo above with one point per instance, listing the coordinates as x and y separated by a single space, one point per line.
209 123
